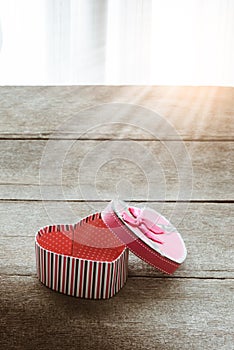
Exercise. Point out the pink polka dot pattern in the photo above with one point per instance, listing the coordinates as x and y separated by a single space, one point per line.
90 239
56 242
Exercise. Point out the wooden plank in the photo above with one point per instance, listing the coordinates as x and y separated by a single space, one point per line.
193 308
198 113
94 170
206 229
145 314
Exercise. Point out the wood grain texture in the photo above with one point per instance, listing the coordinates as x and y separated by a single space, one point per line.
97 170
201 113
210 252
146 314
193 309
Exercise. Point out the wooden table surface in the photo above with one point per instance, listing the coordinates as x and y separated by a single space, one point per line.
193 309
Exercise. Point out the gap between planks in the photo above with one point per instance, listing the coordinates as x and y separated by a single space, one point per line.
168 277
46 138
221 201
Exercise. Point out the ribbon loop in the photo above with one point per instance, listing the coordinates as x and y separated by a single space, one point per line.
144 224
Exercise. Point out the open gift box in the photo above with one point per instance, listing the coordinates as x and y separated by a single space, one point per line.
89 259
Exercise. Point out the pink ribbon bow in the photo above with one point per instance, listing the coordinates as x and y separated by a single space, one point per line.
147 227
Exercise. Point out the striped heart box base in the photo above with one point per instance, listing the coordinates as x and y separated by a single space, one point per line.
83 260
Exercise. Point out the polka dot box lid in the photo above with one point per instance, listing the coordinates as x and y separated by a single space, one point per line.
89 259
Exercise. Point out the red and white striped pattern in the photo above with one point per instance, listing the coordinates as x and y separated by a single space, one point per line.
79 277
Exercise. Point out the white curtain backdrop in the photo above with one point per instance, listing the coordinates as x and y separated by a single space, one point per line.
167 42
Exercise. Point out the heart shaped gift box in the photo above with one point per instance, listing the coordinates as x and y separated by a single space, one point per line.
90 259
